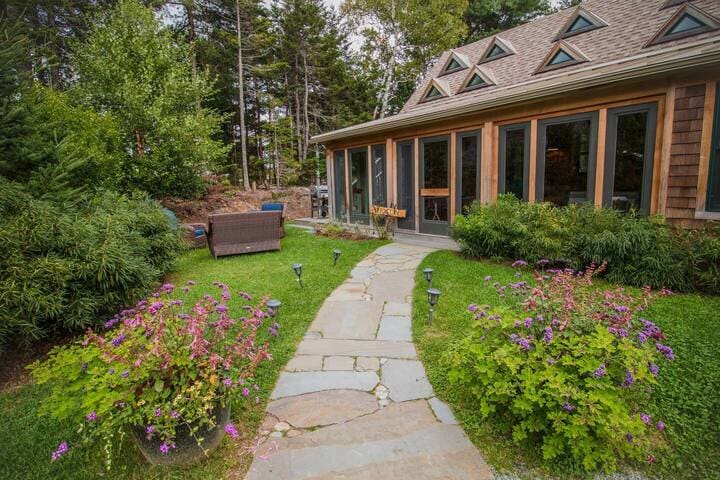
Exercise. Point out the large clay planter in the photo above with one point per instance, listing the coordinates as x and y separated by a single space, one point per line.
186 451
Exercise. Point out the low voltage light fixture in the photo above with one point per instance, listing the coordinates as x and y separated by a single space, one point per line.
297 268
433 297
274 307
428 273
336 256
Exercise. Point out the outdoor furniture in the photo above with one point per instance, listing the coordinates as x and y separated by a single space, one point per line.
276 207
244 232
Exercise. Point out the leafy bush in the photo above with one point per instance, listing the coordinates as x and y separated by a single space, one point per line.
637 250
565 366
158 368
68 258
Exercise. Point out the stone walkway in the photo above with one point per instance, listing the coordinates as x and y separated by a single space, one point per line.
354 402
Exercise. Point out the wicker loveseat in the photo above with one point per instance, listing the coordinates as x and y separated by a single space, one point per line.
244 232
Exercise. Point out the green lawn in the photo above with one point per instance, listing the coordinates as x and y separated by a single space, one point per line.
687 398
28 440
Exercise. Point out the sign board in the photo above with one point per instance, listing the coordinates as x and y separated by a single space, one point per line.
388 211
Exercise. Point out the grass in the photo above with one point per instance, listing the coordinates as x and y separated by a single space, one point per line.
686 399
27 440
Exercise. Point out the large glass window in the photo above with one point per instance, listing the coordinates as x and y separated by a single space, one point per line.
405 184
566 159
435 185
359 186
468 170
339 185
514 160
379 186
628 158
713 198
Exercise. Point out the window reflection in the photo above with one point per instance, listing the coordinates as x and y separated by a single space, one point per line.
435 209
515 162
378 173
358 185
468 180
436 164
339 184
629 161
567 158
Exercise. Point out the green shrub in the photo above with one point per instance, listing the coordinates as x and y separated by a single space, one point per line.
638 250
565 367
68 258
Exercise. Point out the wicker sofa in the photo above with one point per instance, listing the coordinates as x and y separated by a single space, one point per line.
244 232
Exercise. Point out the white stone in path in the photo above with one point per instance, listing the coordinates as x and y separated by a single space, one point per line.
395 328
406 380
298 383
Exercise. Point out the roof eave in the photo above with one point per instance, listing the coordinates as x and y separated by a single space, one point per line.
677 57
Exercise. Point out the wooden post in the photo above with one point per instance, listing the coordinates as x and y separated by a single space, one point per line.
453 175
417 184
330 169
486 162
705 146
664 176
495 162
347 186
532 170
600 158
390 171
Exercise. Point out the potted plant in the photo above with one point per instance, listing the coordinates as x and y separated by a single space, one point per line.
161 372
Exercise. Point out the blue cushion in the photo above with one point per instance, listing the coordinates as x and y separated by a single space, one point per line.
272 207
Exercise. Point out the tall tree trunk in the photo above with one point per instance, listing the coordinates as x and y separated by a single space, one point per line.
190 10
139 144
298 121
306 95
241 98
388 86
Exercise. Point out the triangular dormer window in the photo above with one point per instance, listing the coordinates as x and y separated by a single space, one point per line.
498 48
455 62
562 55
580 21
672 3
478 78
435 89
688 21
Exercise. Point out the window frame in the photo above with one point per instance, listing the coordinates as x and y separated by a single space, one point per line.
662 36
339 200
485 56
502 157
363 218
713 183
373 173
611 146
593 116
408 223
546 67
458 167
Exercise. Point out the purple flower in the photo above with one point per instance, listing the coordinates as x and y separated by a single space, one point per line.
642 338
665 350
111 371
645 418
548 336
117 341
524 344
517 323
165 448
543 261
245 392
622 309
61 450
600 371
111 323
155 307
125 374
221 308
629 437
174 414
519 263
158 412
488 278
629 379
472 308
227 382
191 282
167 288
91 416
528 322
654 369
551 361
231 430
149 429
568 407
661 426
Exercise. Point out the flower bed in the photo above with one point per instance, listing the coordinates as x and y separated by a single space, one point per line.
163 372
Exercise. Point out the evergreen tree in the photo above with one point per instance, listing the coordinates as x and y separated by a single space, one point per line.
486 17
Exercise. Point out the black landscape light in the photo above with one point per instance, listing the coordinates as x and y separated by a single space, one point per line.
433 297
274 307
336 256
428 273
297 267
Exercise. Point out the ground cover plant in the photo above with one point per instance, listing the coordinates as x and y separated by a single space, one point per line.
32 441
638 250
682 397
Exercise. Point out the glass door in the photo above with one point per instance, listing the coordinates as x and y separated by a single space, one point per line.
359 182
467 181
406 184
435 185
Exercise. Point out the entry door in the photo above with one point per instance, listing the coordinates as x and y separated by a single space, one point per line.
435 185
406 184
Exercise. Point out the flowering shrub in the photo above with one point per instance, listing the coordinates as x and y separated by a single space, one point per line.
566 365
157 367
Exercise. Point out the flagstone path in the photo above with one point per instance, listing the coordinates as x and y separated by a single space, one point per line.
354 403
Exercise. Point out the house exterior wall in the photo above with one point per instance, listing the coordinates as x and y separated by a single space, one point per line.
685 111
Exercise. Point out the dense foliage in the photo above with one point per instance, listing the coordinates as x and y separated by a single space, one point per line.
637 250
158 366
569 371
67 257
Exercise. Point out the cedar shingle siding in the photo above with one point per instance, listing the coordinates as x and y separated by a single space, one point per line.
685 156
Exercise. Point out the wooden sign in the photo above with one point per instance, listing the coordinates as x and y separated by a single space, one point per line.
388 211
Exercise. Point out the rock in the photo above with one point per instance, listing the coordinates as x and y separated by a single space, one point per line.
323 408
406 380
281 427
305 363
293 433
299 383
442 411
276 434
395 328
367 364
338 363
357 348
383 403
381 392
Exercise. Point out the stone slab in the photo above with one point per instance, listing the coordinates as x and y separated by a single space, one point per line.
348 320
395 442
406 380
391 286
305 363
323 408
298 383
442 411
347 292
367 364
357 348
361 273
338 363
397 308
397 328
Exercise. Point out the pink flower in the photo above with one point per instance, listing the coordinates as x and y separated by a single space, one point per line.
231 430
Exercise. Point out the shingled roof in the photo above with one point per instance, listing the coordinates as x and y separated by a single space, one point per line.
616 36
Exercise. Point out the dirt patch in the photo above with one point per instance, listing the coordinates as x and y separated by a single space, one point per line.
224 199
15 359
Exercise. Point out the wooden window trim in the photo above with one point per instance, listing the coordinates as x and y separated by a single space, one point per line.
710 143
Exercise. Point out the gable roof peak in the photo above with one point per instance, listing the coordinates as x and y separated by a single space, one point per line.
497 48
580 21
478 77
562 54
456 61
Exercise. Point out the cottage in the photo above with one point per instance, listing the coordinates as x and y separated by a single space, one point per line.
613 102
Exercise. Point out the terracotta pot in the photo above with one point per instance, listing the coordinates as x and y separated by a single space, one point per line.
186 451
